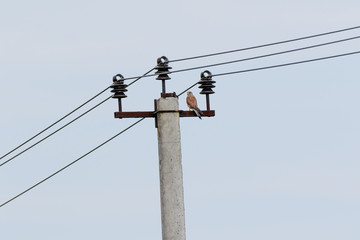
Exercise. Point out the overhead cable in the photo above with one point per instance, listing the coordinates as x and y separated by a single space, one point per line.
56 122
288 64
78 159
274 66
266 45
250 58
266 55
67 124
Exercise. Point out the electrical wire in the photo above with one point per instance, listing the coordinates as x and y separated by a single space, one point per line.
267 55
67 124
195 57
266 45
182 70
274 66
288 64
215 75
78 159
56 122
187 89
144 75
250 58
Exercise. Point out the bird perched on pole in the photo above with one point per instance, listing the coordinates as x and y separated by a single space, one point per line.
192 104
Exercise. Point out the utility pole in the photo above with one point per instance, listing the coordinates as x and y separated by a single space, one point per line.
167 121
170 168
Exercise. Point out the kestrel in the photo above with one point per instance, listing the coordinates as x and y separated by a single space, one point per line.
192 104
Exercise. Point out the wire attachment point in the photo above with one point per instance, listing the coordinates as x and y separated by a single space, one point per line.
163 71
119 89
207 85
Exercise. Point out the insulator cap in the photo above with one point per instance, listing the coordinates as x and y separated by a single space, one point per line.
119 87
206 83
162 67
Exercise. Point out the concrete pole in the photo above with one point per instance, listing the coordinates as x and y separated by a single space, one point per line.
171 179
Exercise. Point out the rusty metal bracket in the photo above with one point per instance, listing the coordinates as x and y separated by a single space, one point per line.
119 88
166 95
146 114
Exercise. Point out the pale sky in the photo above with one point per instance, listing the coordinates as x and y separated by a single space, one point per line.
279 161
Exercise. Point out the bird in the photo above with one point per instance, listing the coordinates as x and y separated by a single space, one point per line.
192 104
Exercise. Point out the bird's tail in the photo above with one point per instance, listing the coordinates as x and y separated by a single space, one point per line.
198 112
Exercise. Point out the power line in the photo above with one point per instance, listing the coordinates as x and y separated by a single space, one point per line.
266 45
202 56
250 58
22 144
188 69
78 159
288 64
274 66
137 79
145 75
187 89
12 158
53 124
267 55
